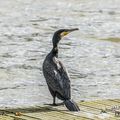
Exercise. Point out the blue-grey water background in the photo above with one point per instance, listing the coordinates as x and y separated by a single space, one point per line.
91 55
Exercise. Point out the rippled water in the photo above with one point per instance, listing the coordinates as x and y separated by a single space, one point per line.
91 55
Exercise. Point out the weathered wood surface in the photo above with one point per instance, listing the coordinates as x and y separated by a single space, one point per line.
90 110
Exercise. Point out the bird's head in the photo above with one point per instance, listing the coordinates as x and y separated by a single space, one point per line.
59 34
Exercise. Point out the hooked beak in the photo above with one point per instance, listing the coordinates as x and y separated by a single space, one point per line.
71 30
68 31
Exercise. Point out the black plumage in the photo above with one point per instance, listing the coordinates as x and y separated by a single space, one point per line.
56 75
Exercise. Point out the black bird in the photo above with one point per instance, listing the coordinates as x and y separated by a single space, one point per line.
56 75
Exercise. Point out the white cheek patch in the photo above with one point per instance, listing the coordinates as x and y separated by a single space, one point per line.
63 34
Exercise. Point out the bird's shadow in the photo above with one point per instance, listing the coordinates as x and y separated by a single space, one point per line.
45 108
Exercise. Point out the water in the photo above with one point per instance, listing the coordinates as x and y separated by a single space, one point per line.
91 55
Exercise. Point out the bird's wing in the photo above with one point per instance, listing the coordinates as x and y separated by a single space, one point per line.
65 80
58 78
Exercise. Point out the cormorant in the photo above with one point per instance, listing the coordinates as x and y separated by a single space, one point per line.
56 75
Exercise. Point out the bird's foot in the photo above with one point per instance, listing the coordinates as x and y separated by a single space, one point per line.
58 104
51 104
54 104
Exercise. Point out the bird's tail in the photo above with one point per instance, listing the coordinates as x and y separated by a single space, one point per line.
71 105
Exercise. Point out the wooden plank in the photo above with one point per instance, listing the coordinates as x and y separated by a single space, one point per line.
99 106
3 117
90 110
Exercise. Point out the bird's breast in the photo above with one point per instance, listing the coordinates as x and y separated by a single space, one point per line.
56 61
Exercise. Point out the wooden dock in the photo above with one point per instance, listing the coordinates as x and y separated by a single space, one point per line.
90 110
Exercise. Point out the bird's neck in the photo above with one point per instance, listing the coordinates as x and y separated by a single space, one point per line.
55 51
55 40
